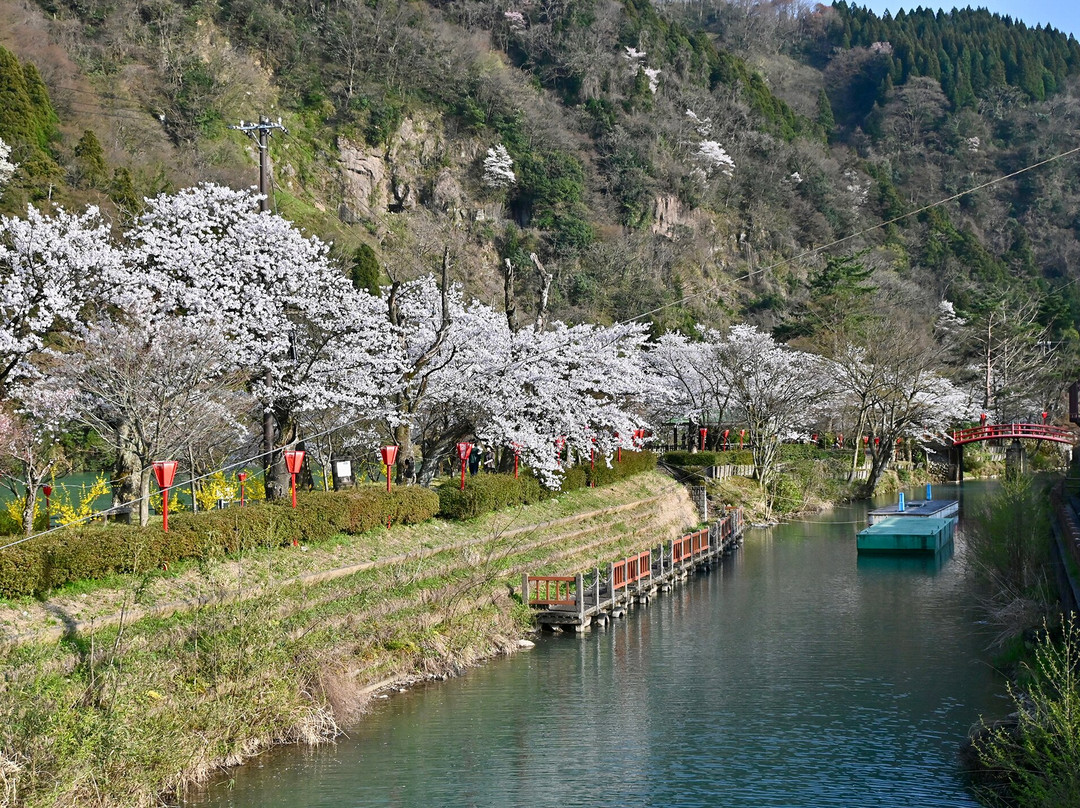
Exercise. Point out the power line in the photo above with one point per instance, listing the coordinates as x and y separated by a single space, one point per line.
814 251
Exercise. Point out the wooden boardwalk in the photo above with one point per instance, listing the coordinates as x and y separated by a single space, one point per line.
574 602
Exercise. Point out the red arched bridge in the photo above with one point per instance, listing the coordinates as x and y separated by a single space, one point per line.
1058 434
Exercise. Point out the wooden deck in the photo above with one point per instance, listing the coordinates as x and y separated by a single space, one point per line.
574 602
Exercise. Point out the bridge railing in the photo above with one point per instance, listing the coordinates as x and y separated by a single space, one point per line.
1008 431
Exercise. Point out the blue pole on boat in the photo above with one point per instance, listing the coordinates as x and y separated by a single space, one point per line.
900 506
928 495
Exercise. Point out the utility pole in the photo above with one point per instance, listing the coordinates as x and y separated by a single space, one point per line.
260 132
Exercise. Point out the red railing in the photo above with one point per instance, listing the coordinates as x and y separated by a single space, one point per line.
1009 431
639 567
699 543
618 575
551 590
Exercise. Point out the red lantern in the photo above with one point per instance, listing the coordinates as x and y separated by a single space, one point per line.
840 439
865 440
463 451
813 437
165 473
294 461
47 490
389 457
982 419
742 435
242 477
877 441
703 432
726 433
1045 415
517 454
618 449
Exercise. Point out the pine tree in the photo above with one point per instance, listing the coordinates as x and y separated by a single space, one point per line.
90 168
365 271
825 118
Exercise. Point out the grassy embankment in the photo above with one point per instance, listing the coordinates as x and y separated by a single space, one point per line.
117 692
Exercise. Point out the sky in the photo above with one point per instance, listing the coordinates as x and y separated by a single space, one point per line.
1061 14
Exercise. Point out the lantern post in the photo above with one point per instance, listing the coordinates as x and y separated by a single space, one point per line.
165 473
294 460
463 451
242 477
47 490
389 457
1045 415
742 437
702 432
618 449
726 433
517 456
592 464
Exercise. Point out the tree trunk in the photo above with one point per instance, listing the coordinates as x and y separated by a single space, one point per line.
29 501
191 482
403 439
128 467
276 473
856 455
144 497
881 459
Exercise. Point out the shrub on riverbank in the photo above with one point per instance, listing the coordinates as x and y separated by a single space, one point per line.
95 551
1034 761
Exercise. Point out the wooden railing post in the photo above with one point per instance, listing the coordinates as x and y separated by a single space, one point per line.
580 597
525 598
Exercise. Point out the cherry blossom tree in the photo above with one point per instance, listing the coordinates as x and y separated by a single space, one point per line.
907 396
688 369
581 384
150 388
778 390
50 266
306 337
498 168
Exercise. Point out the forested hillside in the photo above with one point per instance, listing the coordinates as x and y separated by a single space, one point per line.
708 162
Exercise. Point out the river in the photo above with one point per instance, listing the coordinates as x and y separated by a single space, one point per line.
794 675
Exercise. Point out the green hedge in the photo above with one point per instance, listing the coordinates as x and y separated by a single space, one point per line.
485 493
732 457
95 551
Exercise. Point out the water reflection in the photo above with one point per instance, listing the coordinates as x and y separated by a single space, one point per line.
925 563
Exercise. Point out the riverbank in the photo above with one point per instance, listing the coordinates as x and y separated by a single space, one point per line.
117 693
